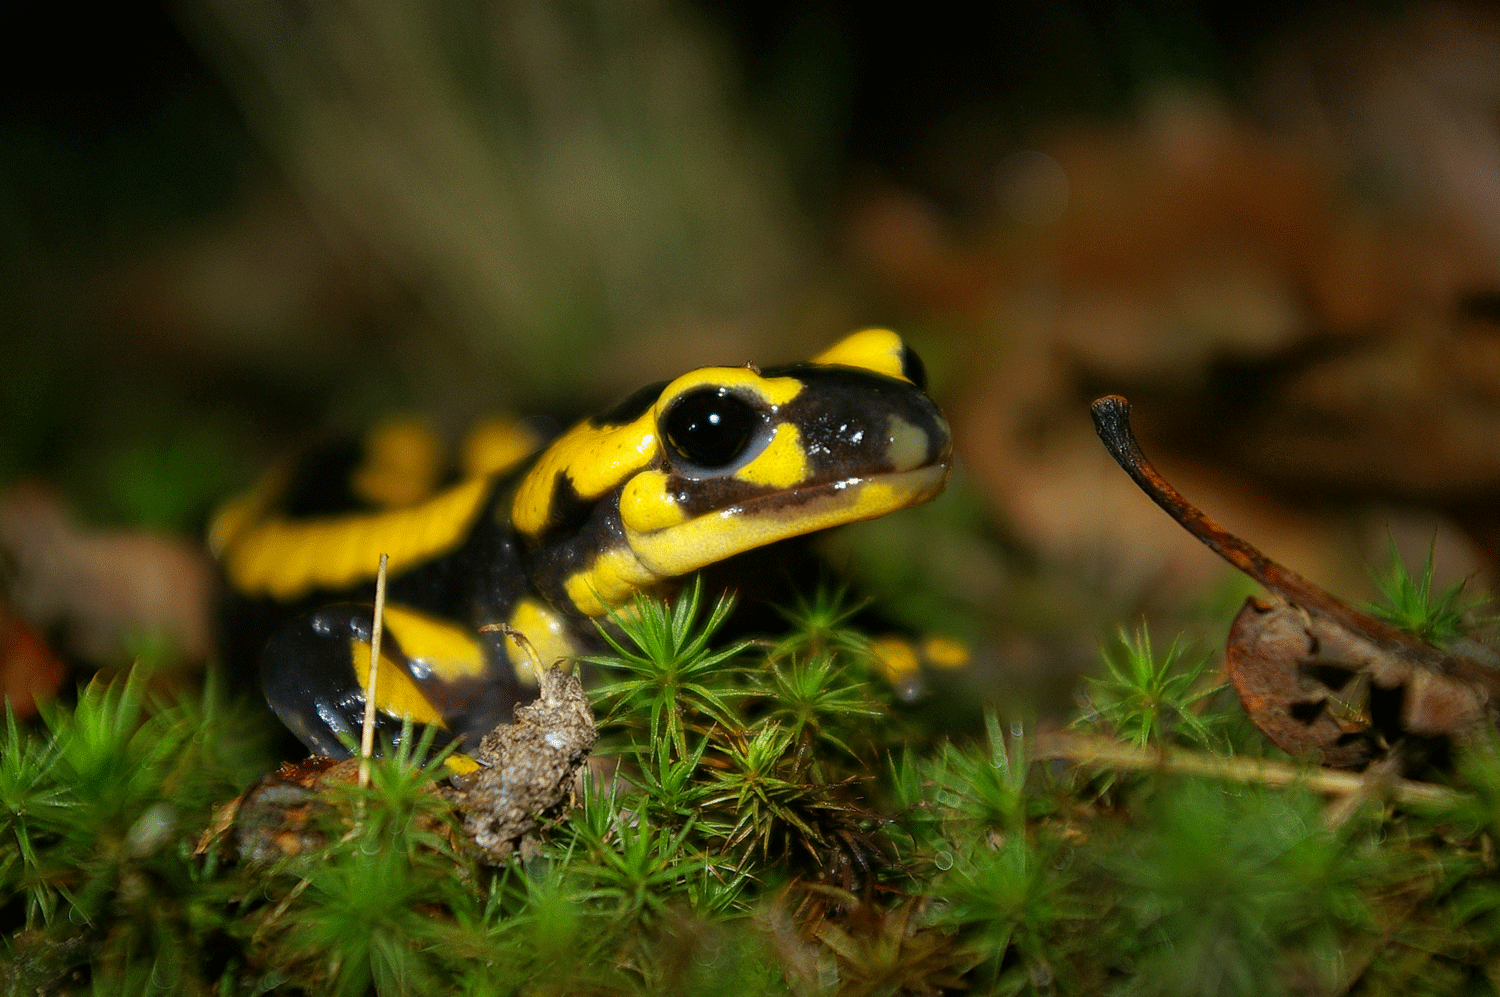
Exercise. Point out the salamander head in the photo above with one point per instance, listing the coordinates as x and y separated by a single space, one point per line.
726 459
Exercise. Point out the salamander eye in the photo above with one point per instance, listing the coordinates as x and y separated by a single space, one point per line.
711 427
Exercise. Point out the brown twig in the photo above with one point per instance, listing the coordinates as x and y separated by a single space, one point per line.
1112 422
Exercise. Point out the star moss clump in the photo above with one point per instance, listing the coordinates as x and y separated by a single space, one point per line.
759 817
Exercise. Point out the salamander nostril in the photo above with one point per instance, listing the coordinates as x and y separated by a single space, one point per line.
711 427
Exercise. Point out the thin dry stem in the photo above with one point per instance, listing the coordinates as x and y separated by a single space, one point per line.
367 733
519 639
1103 752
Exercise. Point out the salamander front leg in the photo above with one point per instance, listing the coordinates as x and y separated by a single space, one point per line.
309 676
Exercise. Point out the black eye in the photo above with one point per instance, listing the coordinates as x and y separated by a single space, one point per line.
710 427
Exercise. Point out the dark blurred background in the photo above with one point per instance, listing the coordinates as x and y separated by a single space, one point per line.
228 227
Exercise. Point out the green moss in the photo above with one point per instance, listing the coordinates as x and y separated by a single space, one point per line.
1409 602
753 827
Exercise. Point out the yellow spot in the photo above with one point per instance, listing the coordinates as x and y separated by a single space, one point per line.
771 390
241 513
908 444
396 695
782 464
285 559
614 576
232 519
879 350
895 658
548 632
647 504
459 763
402 460
945 652
447 651
497 445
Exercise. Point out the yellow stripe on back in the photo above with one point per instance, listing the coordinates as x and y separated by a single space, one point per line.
285 558
241 513
498 445
403 458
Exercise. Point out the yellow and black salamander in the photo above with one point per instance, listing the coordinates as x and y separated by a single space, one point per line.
680 475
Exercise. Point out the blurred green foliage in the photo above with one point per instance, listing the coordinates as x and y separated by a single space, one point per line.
1143 698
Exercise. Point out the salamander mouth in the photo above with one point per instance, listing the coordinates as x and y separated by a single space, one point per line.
711 537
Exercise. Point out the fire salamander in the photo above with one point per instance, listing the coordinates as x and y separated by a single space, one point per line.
680 475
